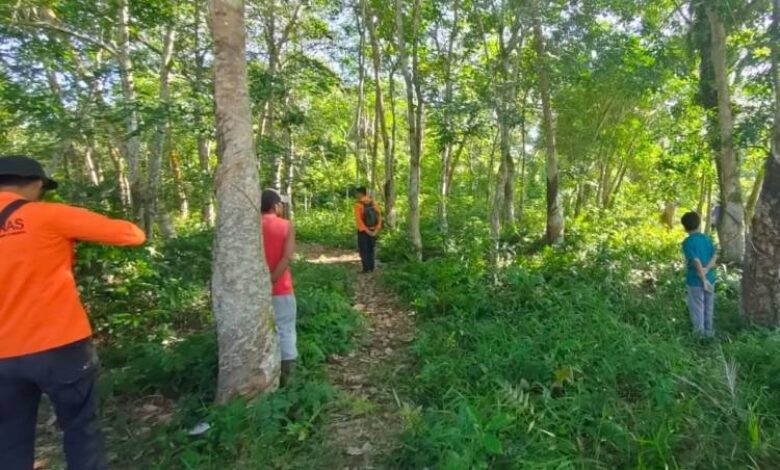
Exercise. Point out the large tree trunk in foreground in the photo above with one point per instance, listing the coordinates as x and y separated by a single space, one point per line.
761 278
731 226
555 221
249 357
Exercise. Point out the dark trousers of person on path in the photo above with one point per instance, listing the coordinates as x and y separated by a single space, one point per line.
366 247
68 376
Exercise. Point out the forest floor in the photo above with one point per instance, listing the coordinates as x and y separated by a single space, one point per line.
365 427
363 423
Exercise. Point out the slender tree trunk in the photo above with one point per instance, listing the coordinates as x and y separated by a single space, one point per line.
289 165
249 357
178 181
389 186
761 278
155 206
708 226
555 221
361 170
750 210
731 227
132 141
208 214
414 115
121 175
523 157
509 192
702 194
446 151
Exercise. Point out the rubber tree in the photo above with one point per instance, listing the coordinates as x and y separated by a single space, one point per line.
249 356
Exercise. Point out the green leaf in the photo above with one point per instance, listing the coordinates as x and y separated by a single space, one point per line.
492 444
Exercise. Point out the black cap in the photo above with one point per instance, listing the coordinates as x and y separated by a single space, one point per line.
20 165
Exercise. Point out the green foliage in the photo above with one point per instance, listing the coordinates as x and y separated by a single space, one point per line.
333 225
581 357
150 308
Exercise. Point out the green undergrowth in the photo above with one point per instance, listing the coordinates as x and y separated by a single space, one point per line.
333 226
158 345
581 357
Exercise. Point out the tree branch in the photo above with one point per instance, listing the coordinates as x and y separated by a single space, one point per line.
67 32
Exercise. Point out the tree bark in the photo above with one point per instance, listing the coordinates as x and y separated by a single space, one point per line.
761 278
208 214
414 100
389 186
178 181
289 166
132 141
249 356
380 126
750 210
446 151
155 205
555 220
731 226
361 168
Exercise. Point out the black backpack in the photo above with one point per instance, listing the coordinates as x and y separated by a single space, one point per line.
370 214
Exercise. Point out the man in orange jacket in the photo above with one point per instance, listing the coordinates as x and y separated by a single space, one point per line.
368 218
45 344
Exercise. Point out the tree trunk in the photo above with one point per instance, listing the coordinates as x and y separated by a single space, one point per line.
204 158
178 181
669 215
446 151
509 192
708 226
761 278
750 210
93 169
121 176
414 101
208 214
361 170
702 195
132 141
555 221
524 158
731 226
154 193
389 186
249 356
495 212
289 165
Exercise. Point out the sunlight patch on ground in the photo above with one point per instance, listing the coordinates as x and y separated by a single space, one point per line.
317 254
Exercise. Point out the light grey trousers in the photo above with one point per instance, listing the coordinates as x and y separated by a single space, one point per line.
702 307
285 313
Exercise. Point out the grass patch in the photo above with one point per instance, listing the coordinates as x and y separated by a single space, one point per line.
582 358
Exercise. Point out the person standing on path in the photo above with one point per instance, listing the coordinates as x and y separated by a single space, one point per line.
45 344
700 258
279 246
368 217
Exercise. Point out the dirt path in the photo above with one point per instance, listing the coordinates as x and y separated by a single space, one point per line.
365 427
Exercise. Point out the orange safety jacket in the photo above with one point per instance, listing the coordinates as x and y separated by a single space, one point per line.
359 207
40 308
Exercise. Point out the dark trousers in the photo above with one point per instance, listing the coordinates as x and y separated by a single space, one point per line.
366 247
68 376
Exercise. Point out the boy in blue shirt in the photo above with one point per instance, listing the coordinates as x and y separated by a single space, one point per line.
700 258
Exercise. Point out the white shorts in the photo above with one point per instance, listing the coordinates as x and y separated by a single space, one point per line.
285 312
